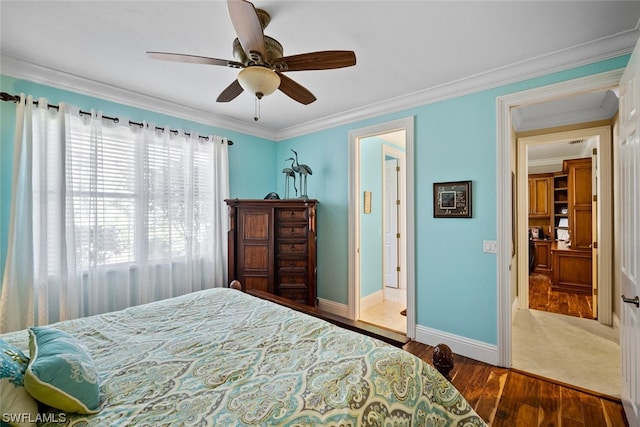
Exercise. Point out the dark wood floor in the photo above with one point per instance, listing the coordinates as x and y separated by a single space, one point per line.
504 397
541 297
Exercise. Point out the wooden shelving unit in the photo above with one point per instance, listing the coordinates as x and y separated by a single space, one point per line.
560 202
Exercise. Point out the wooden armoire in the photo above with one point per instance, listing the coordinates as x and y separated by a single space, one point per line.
272 246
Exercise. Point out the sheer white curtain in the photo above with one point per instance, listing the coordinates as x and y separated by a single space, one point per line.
106 215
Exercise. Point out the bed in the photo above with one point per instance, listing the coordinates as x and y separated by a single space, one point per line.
221 357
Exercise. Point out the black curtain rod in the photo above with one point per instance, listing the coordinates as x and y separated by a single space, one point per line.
4 96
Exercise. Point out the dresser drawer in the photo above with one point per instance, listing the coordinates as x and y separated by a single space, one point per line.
292 214
292 264
290 279
292 230
291 248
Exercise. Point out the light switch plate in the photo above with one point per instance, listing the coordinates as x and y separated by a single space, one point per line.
489 246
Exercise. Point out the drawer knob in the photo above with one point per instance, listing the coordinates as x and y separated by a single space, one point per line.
292 248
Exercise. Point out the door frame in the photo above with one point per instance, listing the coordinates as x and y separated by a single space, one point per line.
505 163
355 207
604 220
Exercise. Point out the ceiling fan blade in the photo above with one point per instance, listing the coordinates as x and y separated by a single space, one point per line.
193 59
295 91
324 60
247 26
231 92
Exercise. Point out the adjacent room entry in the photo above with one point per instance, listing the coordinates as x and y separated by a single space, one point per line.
383 289
381 238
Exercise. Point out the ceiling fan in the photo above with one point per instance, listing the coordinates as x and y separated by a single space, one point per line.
260 59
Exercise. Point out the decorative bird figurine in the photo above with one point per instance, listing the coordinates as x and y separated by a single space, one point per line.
302 170
289 173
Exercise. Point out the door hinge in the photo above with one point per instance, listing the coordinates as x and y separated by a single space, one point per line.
595 245
398 269
594 151
397 235
595 198
398 202
397 168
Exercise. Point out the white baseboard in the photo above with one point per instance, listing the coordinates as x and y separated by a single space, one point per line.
473 349
334 307
616 321
515 306
372 299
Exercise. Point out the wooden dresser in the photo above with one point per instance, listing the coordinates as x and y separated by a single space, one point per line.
272 247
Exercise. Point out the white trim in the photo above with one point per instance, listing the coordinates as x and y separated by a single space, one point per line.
333 307
503 152
521 263
406 124
47 76
473 349
587 53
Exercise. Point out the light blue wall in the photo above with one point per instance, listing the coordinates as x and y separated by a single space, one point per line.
371 248
371 225
251 159
454 140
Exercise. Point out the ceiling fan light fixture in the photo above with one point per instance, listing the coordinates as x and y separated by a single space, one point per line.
258 80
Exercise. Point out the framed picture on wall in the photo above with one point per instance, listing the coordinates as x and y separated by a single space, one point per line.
452 199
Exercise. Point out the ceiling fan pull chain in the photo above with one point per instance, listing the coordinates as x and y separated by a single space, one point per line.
256 116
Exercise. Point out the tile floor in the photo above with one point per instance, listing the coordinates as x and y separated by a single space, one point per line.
387 314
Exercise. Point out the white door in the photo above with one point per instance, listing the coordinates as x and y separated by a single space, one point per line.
629 161
391 262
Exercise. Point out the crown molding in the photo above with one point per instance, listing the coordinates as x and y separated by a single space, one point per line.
584 54
47 76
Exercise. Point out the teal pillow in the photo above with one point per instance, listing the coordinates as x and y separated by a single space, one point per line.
61 373
17 407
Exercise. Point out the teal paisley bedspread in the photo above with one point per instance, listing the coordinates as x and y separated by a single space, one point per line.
223 358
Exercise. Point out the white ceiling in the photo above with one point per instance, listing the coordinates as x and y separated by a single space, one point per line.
408 52
582 108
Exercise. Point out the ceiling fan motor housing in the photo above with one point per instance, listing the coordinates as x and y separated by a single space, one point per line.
272 47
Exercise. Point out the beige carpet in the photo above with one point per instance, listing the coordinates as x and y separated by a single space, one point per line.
575 351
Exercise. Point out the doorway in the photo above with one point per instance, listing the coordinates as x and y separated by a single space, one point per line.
539 335
383 290
508 245
381 242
